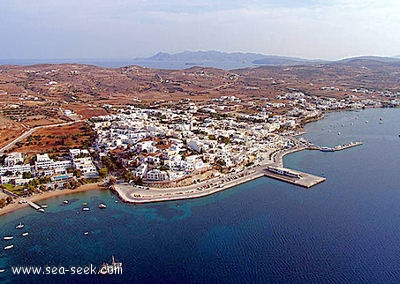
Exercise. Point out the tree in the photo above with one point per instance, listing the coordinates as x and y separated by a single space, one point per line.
74 183
27 175
128 175
103 172
9 199
78 173
2 202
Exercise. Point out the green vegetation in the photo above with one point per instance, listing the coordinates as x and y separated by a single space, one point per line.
103 172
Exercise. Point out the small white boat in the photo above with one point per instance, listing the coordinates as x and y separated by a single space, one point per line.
25 234
9 247
65 201
41 210
2 270
102 206
7 238
85 209
86 233
19 226
44 206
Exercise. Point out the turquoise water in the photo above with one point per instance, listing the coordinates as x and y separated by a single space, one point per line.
344 230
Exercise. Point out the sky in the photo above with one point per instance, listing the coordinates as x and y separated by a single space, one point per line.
313 29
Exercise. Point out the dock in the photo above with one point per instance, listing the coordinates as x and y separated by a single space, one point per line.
336 148
293 176
33 205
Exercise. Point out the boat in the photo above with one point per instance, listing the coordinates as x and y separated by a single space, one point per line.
25 234
2 270
9 247
41 210
65 201
102 206
85 209
44 206
7 238
112 268
86 233
326 149
84 204
19 226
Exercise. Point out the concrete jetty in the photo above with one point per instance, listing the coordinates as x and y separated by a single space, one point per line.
336 148
293 176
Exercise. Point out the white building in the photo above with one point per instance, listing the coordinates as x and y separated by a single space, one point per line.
141 171
157 175
13 159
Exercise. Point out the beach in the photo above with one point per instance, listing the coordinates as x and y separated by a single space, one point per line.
49 194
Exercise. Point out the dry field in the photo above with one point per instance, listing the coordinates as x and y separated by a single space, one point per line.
56 140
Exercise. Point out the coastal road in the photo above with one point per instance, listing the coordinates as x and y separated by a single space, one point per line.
29 132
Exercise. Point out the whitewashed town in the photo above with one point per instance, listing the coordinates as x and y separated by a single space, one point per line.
164 147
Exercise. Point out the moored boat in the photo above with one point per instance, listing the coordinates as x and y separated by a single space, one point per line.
9 247
112 268
7 238
102 206
65 201
19 226
2 270
85 209
25 234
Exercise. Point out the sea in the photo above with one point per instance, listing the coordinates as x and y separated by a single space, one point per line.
344 230
117 63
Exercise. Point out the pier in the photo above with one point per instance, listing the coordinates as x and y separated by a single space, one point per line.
293 176
336 148
33 205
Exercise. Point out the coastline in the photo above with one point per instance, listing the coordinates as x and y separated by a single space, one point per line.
276 159
49 194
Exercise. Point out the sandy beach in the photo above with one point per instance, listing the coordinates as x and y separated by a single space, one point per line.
49 194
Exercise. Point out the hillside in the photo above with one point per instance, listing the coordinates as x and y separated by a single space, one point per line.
49 94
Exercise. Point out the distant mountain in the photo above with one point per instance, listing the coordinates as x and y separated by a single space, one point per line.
218 59
205 56
237 60
369 58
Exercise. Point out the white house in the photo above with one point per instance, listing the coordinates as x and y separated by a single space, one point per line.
157 175
13 159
